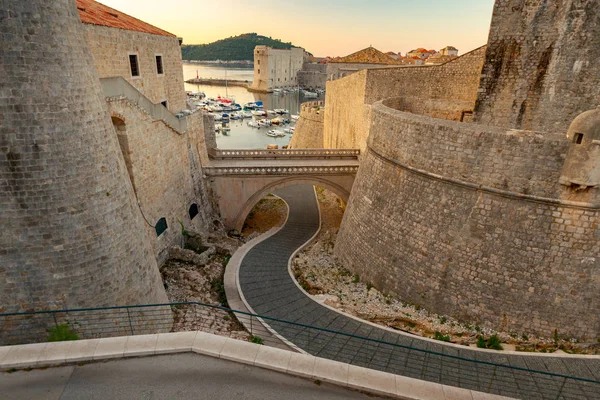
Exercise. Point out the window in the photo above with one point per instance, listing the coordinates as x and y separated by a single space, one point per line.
159 65
193 211
578 138
133 63
259 70
161 226
164 103
258 62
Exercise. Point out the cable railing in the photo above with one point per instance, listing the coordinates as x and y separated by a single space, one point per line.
375 349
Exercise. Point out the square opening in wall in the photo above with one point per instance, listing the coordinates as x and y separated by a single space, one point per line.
133 63
578 138
159 65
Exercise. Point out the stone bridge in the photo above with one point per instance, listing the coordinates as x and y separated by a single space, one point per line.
240 178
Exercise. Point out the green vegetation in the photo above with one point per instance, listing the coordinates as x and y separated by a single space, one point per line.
492 343
61 333
257 340
235 48
439 336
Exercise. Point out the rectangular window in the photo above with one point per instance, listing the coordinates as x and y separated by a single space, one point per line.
578 138
133 63
159 65
259 70
258 62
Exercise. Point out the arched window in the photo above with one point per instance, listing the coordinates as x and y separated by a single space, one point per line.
193 211
161 226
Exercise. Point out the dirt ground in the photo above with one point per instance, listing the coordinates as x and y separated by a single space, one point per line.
320 274
268 213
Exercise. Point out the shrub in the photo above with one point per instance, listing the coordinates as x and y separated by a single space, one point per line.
61 333
439 336
257 340
493 342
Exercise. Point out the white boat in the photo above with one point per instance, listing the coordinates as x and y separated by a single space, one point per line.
281 111
288 130
253 124
295 117
271 112
276 133
246 114
263 123
218 117
259 113
309 95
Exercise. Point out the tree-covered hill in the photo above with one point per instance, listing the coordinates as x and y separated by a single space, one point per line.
236 48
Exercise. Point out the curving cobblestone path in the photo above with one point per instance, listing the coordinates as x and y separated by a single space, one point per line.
270 291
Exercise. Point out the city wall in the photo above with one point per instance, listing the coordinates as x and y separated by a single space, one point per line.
470 221
446 91
111 47
165 169
72 234
309 128
541 68
313 76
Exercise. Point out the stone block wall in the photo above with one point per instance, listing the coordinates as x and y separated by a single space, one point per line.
309 128
72 234
541 67
165 169
111 48
446 215
448 91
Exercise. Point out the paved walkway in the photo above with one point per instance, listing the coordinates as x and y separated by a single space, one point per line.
181 376
270 291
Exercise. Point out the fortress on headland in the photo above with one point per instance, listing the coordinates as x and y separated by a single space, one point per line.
478 191
477 194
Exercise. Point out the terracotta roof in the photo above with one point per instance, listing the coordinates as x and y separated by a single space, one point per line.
94 13
370 55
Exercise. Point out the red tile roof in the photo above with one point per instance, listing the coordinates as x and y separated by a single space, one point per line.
94 13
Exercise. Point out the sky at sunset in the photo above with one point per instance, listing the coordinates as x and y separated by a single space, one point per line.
324 27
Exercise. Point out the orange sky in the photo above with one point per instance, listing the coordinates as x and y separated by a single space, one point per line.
324 27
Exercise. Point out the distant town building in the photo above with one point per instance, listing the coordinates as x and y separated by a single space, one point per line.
395 56
276 68
363 59
421 53
449 51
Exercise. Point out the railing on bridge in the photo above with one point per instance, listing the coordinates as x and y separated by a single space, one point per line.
284 154
376 352
283 171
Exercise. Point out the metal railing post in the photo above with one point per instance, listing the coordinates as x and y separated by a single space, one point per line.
492 380
55 322
252 334
129 317
561 388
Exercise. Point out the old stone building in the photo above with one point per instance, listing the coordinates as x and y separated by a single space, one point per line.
477 195
95 172
276 68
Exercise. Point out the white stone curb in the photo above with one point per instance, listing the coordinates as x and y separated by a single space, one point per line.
302 365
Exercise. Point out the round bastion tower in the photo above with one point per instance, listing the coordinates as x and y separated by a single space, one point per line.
71 232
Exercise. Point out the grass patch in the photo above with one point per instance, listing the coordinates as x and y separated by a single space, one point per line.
441 337
493 342
62 333
256 339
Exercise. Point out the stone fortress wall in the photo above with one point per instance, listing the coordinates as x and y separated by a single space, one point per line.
312 76
471 219
163 164
541 68
111 48
72 234
309 128
448 91
276 68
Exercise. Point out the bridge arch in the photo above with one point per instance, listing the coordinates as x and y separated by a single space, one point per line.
248 205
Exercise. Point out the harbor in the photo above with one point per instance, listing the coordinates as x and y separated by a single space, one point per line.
245 129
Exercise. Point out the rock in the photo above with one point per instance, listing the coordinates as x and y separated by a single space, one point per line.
191 257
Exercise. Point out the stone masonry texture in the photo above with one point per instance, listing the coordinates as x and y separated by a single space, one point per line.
541 67
72 234
442 91
467 220
309 128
